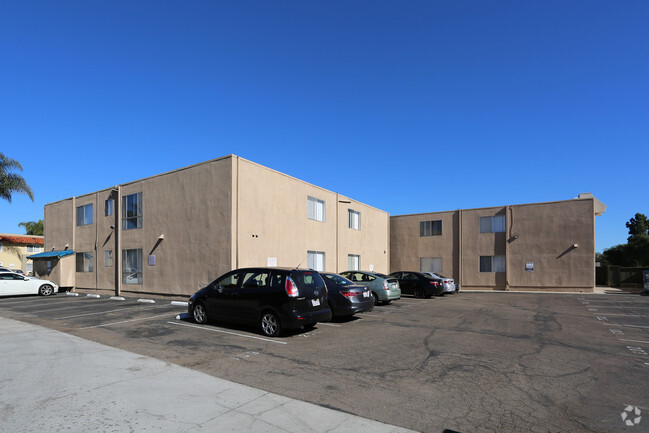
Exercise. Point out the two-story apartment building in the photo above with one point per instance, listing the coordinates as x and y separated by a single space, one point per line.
14 250
518 247
175 232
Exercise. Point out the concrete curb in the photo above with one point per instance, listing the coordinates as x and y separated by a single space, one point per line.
146 301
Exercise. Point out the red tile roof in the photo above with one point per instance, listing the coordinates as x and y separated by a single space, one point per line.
22 239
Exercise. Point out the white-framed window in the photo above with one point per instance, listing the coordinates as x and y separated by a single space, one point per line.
354 262
492 263
84 215
84 262
33 248
132 266
315 209
430 264
492 224
29 267
430 228
315 260
354 218
108 207
132 211
108 258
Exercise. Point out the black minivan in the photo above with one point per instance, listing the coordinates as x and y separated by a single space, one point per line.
272 298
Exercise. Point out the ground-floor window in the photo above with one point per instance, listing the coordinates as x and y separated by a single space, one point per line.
132 266
315 260
430 264
354 262
84 262
492 263
108 258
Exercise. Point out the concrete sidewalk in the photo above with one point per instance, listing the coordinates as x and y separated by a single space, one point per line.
52 381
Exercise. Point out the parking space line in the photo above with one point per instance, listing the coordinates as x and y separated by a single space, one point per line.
328 324
124 321
31 301
54 309
618 314
94 313
628 326
226 332
635 341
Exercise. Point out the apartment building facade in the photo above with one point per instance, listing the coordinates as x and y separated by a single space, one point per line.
14 250
538 246
176 232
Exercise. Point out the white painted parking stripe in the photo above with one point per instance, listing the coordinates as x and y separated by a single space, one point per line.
329 324
94 313
628 326
635 341
226 332
124 321
620 314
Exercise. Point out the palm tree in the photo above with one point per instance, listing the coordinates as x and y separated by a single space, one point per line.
11 182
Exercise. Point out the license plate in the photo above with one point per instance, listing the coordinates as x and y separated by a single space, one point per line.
366 294
315 302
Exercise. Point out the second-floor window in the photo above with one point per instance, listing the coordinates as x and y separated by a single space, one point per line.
132 211
492 224
354 219
430 228
108 207
315 209
84 215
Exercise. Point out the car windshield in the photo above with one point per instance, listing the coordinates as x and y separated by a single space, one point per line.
380 275
429 276
341 281
440 275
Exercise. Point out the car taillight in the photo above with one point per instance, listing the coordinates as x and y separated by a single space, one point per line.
348 294
291 288
434 283
386 286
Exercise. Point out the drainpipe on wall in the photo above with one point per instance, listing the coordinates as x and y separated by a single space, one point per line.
508 219
460 257
118 245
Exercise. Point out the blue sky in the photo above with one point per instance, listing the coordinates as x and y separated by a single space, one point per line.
408 106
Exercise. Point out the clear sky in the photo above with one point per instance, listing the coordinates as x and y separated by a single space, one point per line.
408 106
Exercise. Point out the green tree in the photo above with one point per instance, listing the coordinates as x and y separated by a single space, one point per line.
635 253
638 226
11 182
34 228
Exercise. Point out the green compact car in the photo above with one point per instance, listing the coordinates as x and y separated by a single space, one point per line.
384 289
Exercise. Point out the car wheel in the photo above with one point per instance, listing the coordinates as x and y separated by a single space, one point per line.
419 293
376 298
269 324
200 314
46 290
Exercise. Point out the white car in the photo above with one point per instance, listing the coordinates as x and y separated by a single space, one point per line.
449 283
12 283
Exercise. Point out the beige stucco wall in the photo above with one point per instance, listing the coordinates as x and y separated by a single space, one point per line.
191 207
539 233
546 235
407 247
272 223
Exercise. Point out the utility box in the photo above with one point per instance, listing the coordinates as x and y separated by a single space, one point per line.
645 278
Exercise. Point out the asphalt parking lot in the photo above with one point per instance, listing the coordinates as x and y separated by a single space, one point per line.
470 362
